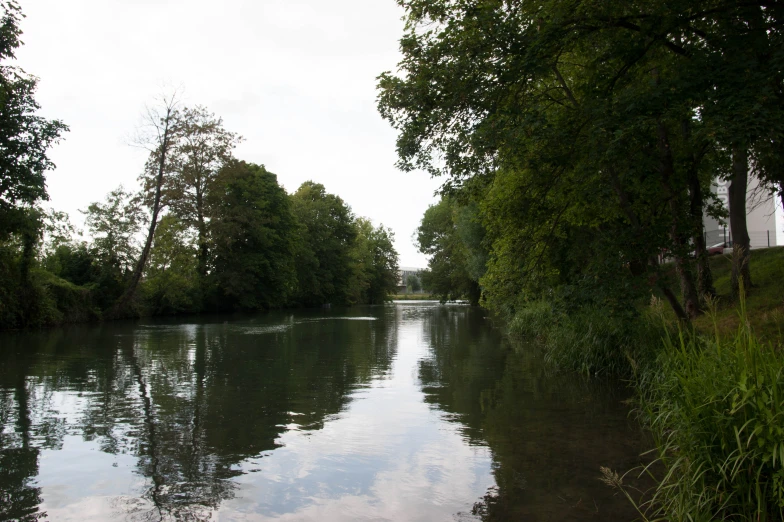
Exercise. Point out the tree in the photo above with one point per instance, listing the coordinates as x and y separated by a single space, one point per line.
413 283
203 148
438 236
375 263
24 141
607 114
252 231
171 281
24 137
326 233
159 138
113 226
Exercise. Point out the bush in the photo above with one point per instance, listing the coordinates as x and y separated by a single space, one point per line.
595 343
61 301
532 320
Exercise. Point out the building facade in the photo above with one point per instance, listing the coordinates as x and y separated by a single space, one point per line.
760 216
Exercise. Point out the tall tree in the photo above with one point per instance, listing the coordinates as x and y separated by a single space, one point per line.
159 137
252 232
449 268
375 263
24 137
114 225
326 233
203 148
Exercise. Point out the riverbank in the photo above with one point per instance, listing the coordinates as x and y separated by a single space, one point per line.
764 304
412 297
711 393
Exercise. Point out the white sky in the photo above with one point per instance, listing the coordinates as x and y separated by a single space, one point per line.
296 78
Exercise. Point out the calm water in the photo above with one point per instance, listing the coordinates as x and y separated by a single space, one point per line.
399 412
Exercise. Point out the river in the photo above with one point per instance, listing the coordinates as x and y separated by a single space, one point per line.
408 411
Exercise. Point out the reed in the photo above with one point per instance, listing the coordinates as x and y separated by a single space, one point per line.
589 341
715 406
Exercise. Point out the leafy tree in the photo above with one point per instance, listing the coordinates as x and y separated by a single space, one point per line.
202 149
24 141
252 231
171 281
57 230
24 136
413 283
375 263
114 225
326 233
438 236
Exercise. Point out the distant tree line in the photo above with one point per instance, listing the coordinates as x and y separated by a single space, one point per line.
580 140
205 230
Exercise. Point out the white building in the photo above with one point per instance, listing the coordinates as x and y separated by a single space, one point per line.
405 271
762 220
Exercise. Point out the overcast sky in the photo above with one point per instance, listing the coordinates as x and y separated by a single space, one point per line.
296 78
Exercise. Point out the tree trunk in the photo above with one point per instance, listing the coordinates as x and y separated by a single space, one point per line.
740 235
121 305
202 229
697 210
691 301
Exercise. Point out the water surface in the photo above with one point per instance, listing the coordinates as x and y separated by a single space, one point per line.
410 411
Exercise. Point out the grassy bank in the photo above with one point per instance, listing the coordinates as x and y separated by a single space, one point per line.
715 407
711 394
412 297
765 302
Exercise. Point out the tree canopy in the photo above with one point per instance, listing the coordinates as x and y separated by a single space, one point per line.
598 123
25 137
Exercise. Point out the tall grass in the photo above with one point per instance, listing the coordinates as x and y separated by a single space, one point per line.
589 341
716 409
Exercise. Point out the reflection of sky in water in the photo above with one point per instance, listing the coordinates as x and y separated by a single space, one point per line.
386 456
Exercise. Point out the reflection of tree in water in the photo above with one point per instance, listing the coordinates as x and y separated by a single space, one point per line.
193 402
549 433
464 362
22 437
19 498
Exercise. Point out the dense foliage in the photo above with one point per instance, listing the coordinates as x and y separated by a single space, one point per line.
589 135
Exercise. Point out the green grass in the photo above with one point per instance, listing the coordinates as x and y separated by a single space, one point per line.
412 297
588 341
715 406
765 301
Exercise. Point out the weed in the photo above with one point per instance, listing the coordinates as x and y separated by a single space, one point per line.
715 407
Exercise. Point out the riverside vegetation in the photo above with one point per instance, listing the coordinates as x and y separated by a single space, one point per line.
205 231
579 142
